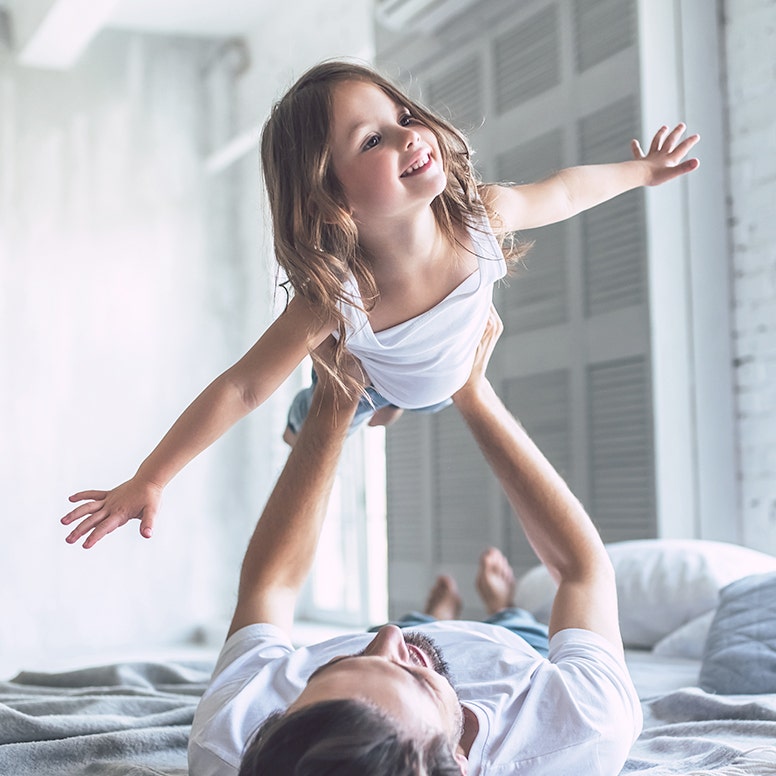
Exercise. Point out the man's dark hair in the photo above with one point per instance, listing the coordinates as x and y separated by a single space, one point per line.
346 738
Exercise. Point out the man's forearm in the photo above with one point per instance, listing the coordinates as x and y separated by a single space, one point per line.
282 549
554 521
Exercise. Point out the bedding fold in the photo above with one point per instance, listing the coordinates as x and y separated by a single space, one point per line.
131 719
693 732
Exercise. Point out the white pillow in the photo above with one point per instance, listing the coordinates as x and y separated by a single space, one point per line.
687 640
662 584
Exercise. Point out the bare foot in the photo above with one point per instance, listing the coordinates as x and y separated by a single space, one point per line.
444 601
385 416
495 581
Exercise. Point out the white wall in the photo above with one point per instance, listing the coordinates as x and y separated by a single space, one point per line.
128 279
108 327
750 33
291 38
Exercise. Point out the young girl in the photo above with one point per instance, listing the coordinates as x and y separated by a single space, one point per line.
388 241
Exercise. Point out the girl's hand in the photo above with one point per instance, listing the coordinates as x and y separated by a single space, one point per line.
664 159
108 510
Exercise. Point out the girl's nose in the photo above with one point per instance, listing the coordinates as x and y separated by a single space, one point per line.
388 643
411 137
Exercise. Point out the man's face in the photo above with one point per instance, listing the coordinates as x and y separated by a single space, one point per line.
400 673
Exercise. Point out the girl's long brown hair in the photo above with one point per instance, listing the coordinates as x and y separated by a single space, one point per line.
315 237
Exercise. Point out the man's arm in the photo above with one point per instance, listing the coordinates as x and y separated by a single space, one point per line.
281 551
553 520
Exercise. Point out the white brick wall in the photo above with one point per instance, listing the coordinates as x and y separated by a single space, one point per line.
750 40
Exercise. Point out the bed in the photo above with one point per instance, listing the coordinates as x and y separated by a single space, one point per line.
698 620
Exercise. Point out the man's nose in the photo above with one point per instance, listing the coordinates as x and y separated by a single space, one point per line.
389 643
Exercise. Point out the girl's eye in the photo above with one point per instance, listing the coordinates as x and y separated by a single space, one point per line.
371 142
406 120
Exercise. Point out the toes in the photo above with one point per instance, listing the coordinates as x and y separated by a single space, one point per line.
446 582
493 559
444 601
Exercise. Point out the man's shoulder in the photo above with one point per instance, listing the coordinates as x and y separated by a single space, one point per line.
583 687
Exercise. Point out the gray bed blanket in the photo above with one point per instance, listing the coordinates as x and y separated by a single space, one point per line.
693 732
131 719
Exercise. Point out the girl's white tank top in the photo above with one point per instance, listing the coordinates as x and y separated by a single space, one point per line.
425 360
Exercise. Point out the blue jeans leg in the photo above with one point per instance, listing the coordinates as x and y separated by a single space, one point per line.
367 407
300 407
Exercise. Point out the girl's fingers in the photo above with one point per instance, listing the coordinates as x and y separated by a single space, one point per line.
673 138
689 166
82 511
684 147
638 153
85 526
657 140
102 530
95 495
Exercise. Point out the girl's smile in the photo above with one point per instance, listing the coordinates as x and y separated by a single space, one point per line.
423 164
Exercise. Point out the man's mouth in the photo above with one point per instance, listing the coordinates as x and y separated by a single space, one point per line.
419 166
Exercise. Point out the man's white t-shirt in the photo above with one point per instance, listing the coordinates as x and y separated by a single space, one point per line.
574 714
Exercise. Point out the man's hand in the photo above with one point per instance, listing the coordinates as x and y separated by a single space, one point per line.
490 336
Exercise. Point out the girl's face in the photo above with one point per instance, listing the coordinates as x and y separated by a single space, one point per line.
387 163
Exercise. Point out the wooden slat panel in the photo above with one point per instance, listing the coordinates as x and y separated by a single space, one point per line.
403 444
621 449
461 485
536 294
527 60
542 404
602 28
457 94
613 234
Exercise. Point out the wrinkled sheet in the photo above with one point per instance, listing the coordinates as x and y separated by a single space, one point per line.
689 731
129 719
133 719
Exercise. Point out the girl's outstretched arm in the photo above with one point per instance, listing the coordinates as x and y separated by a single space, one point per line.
230 397
575 189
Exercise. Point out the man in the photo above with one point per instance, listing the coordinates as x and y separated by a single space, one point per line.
386 704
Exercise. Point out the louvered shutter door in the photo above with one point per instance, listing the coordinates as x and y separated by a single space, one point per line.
537 295
622 496
530 51
543 404
558 84
613 241
457 94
